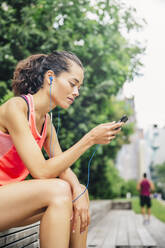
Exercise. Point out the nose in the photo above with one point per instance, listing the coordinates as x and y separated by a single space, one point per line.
75 91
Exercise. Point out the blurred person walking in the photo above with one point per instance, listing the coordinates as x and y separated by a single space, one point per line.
145 186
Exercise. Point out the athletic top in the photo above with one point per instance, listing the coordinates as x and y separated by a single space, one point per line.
12 168
145 187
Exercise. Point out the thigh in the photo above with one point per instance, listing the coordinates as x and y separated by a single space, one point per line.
22 200
30 220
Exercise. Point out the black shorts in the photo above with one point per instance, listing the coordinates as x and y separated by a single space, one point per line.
145 200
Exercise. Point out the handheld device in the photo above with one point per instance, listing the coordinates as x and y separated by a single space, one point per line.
124 118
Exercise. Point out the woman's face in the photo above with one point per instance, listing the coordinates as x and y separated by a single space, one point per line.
65 87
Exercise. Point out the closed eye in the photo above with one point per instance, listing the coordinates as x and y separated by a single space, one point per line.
72 84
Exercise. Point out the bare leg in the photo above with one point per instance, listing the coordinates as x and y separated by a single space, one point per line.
55 225
149 213
27 200
78 240
143 213
75 238
35 218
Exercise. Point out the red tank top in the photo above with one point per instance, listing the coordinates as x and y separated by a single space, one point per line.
145 187
12 168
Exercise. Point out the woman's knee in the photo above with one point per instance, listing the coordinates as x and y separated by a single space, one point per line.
58 191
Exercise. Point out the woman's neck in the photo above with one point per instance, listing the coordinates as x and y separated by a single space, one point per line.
41 104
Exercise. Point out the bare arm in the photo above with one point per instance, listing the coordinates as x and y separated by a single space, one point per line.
138 186
29 150
67 175
30 153
152 186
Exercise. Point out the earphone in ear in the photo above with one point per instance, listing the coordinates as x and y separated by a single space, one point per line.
51 79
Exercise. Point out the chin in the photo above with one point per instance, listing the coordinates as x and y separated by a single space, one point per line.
64 105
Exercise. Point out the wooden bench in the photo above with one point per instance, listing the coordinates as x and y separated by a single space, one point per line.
26 236
119 204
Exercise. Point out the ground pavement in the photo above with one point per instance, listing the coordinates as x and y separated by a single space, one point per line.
123 228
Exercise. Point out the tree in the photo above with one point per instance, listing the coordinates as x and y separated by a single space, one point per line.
94 33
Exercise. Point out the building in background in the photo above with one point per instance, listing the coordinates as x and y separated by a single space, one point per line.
146 148
155 137
144 151
129 160
133 159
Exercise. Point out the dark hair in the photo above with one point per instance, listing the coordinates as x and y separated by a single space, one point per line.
29 73
145 175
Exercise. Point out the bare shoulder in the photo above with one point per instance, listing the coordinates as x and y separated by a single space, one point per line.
14 103
9 109
22 137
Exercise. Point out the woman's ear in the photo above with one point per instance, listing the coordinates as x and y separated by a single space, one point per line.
51 79
49 76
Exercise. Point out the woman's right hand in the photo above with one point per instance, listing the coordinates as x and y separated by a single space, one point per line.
104 133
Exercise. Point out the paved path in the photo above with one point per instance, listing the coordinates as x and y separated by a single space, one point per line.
124 228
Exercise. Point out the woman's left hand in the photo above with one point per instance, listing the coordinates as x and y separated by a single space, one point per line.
81 210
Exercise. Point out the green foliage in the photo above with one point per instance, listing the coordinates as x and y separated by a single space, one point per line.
7 96
105 181
158 173
94 33
3 89
131 184
128 186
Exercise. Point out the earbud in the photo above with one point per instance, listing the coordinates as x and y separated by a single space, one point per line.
51 79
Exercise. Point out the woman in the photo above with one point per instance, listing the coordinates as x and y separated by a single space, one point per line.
25 126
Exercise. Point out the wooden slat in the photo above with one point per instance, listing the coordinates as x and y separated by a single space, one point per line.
145 236
98 209
133 236
157 230
16 235
16 229
103 232
91 242
122 233
23 242
110 239
99 232
32 245
116 204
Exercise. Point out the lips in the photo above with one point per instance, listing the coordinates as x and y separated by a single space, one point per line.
71 99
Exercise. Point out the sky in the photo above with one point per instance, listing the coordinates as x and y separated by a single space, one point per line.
149 89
